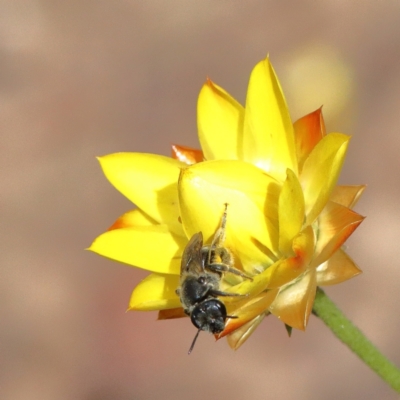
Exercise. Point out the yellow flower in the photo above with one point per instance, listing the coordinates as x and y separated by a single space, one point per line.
286 218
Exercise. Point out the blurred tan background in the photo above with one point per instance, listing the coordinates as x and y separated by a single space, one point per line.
85 78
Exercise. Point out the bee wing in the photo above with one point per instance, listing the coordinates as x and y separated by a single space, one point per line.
191 257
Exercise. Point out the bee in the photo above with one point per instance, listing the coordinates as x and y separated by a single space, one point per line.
202 269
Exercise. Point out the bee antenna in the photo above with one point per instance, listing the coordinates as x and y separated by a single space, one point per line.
194 341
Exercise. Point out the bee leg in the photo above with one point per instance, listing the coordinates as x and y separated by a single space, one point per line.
220 268
214 292
219 236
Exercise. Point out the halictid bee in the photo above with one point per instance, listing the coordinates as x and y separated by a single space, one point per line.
202 268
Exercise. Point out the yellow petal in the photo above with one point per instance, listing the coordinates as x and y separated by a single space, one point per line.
155 292
321 171
291 212
132 218
347 196
335 224
240 335
308 131
339 268
294 302
252 197
250 289
149 247
290 268
149 181
268 139
247 311
219 122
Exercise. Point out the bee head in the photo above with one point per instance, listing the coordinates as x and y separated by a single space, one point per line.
210 316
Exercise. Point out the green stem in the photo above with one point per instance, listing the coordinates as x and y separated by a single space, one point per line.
350 335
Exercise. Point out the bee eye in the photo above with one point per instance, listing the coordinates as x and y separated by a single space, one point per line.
202 280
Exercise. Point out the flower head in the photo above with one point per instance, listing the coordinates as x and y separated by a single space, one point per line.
286 216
